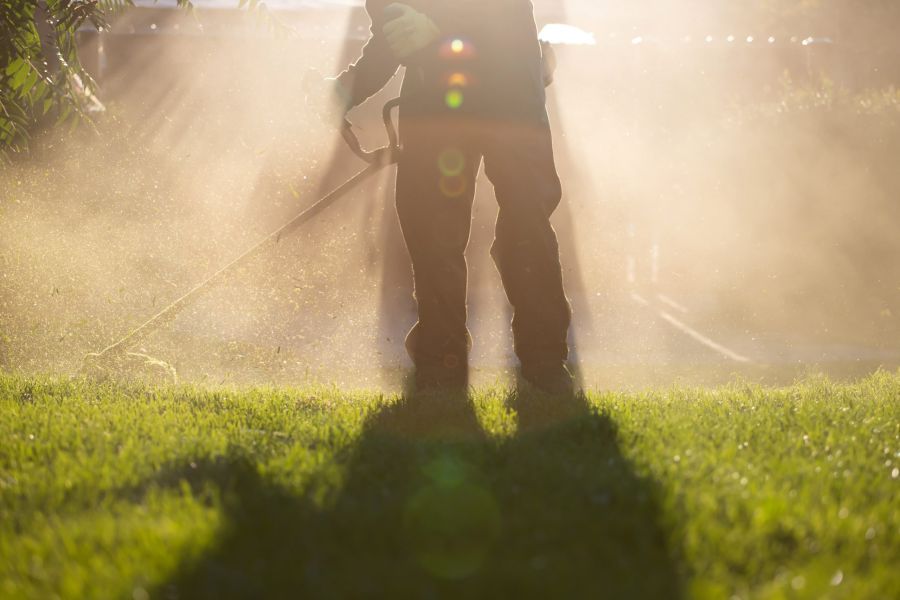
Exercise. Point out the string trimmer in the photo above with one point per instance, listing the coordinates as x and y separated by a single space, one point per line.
117 359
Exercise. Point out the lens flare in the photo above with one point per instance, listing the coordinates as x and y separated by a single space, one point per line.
454 99
456 49
452 162
458 80
451 523
453 187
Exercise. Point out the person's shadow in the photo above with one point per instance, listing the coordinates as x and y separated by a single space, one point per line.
433 507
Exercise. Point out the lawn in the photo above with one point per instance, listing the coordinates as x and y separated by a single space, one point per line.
118 491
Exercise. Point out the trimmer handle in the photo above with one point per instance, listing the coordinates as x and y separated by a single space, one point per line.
384 156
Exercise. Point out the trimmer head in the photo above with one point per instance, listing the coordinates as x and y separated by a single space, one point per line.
115 364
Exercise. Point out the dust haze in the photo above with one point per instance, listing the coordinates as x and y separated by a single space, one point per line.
731 203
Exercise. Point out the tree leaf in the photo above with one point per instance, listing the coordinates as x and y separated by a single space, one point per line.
19 77
14 66
29 81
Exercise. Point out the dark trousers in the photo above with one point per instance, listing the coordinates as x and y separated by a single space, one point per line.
435 191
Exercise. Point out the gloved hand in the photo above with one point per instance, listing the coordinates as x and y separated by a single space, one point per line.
548 62
409 32
327 97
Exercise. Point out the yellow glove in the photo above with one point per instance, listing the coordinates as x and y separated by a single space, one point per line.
409 32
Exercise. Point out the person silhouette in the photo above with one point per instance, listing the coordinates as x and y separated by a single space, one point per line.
473 92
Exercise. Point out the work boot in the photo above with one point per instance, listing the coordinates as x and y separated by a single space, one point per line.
436 378
439 366
549 377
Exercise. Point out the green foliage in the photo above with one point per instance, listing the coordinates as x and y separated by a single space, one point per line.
40 68
41 77
42 81
741 492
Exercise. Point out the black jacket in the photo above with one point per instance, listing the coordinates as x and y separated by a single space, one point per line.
500 62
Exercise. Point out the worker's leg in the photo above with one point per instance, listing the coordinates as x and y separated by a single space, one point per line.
519 162
435 190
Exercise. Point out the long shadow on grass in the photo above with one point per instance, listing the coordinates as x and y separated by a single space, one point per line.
433 508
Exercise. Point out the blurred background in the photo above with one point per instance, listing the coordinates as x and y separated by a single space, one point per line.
731 177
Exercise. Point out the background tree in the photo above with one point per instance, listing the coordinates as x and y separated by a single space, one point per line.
41 77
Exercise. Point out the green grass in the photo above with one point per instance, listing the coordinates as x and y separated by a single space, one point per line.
741 492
